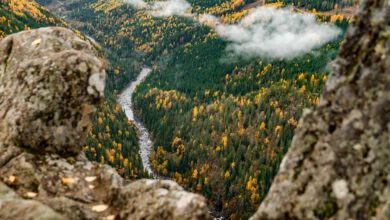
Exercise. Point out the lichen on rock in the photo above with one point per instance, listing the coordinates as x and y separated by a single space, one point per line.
50 85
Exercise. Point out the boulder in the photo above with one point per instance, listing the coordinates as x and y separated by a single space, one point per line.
50 84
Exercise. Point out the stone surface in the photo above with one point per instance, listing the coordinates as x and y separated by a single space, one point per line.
27 210
50 84
338 166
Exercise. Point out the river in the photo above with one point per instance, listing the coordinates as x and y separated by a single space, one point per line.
126 101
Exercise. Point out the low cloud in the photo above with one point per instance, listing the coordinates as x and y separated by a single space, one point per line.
273 33
170 8
263 32
136 3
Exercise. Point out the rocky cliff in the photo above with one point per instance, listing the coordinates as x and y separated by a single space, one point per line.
339 163
50 84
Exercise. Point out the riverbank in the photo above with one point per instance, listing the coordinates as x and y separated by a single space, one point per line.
144 140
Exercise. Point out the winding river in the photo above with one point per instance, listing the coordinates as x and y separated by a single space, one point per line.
145 143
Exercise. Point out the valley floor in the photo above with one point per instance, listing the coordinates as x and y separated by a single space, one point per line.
145 142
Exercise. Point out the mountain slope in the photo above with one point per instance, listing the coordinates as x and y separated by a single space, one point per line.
18 15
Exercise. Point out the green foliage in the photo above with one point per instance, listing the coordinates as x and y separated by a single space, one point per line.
231 122
22 15
321 5
113 140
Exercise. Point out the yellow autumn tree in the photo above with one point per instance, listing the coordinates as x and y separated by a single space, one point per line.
195 174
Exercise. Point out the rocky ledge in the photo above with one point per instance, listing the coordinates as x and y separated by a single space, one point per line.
50 84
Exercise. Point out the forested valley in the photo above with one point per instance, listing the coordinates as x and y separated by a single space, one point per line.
220 124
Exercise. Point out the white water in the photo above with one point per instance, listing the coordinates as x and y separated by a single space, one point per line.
145 143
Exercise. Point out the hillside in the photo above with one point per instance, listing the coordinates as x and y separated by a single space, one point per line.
320 5
219 128
18 15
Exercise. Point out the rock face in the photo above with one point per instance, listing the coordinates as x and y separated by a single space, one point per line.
50 82
50 85
339 163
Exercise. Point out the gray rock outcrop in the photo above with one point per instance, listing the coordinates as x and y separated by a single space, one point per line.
50 85
338 166
42 104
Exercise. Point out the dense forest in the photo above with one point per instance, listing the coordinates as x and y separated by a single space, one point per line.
224 134
220 125
19 15
319 5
